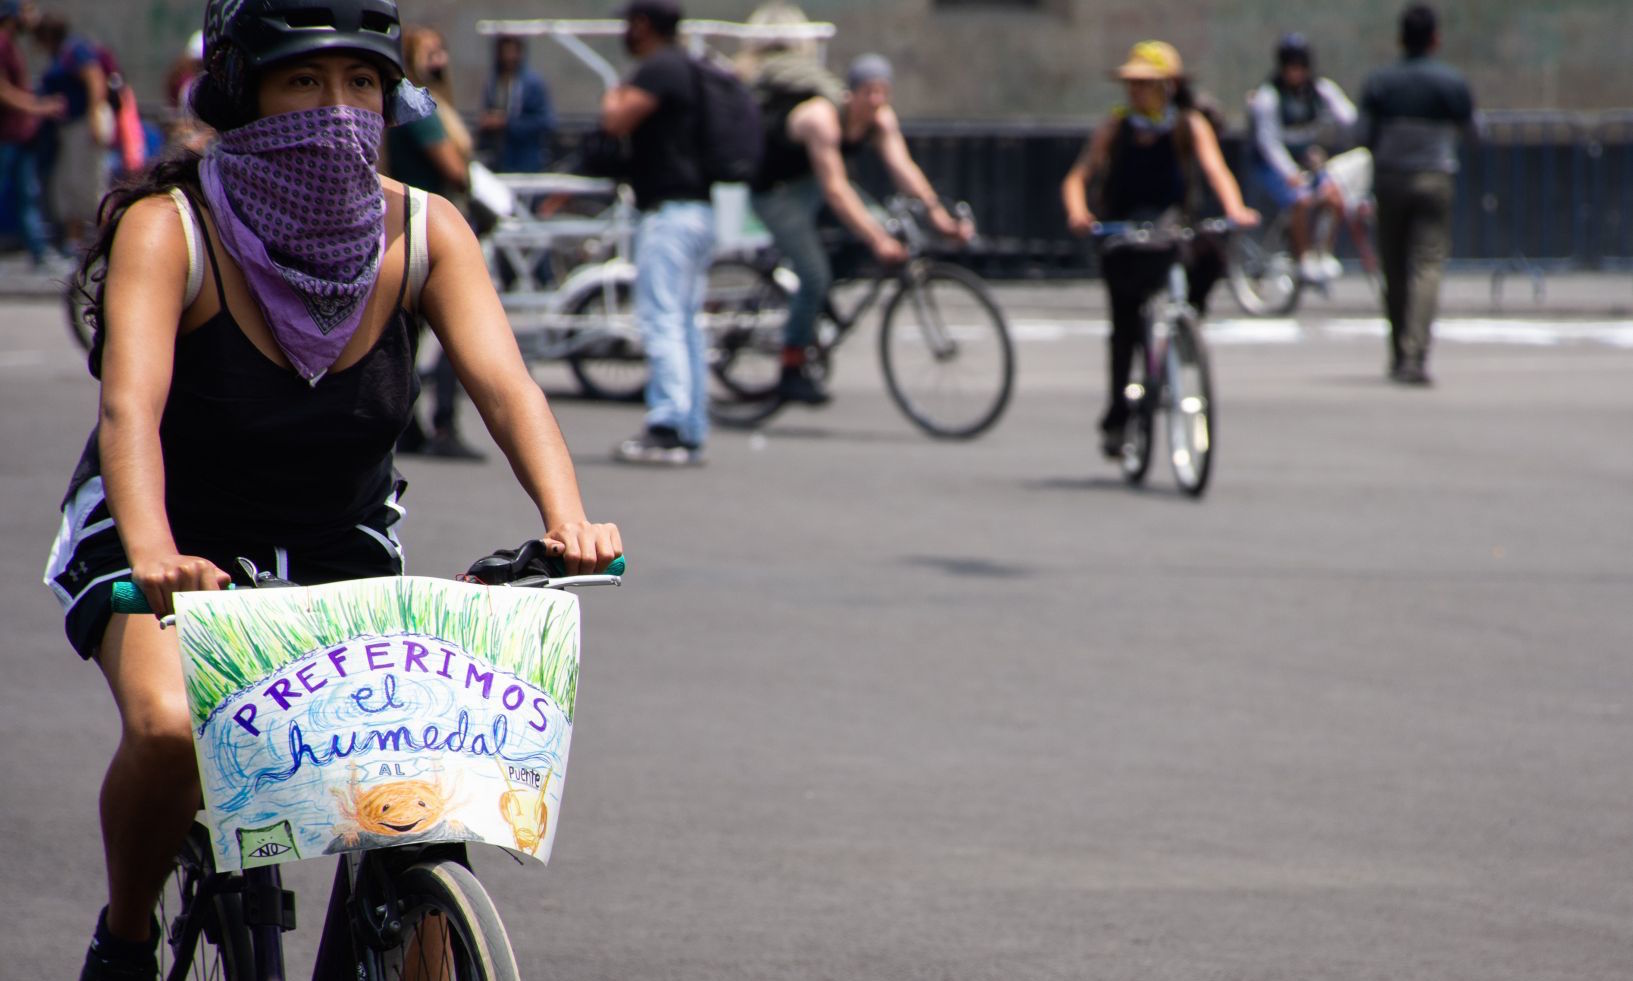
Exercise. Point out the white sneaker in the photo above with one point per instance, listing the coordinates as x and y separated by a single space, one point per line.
1331 266
1311 270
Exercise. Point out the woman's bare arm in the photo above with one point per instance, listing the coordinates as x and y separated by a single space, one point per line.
142 309
464 311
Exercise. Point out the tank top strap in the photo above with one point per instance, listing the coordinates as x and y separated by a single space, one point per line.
209 249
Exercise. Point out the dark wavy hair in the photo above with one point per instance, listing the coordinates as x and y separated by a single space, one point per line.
91 277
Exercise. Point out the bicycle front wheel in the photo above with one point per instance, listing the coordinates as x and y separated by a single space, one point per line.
946 353
745 312
451 931
203 930
1190 409
1139 433
1263 277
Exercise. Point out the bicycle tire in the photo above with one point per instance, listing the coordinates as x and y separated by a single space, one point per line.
1190 412
221 950
1263 278
960 344
470 944
745 354
612 369
77 306
1139 431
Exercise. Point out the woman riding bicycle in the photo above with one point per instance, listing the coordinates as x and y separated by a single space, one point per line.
250 409
1144 161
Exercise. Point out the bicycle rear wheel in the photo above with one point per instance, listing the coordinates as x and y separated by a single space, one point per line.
744 314
1262 275
1188 400
202 930
946 353
451 930
614 367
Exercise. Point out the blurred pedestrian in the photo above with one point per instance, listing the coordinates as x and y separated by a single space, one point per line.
516 113
20 114
182 126
1413 113
427 155
178 81
658 110
78 143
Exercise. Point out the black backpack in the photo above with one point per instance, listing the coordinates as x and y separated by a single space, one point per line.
730 137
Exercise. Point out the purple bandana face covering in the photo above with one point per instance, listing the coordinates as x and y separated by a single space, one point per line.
298 205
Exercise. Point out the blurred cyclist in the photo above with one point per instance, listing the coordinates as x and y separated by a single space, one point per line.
813 125
1147 162
1297 118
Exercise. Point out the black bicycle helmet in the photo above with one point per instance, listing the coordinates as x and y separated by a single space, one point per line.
1293 49
242 37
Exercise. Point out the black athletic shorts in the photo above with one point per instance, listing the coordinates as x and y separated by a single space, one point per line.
88 558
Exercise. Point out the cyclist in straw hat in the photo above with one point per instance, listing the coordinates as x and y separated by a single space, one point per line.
1148 161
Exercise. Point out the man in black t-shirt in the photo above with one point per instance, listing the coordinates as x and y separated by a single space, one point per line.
658 110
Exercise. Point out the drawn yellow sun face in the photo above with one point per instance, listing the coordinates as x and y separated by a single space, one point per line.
399 808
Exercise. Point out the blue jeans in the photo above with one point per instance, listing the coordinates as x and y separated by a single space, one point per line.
19 171
673 247
789 212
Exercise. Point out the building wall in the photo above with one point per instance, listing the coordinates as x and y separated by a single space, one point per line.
972 59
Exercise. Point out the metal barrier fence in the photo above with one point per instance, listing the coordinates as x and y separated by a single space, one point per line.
1540 190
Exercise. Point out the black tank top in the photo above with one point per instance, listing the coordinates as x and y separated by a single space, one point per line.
785 159
254 453
1143 180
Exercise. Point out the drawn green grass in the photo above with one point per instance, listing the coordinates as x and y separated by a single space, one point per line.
239 643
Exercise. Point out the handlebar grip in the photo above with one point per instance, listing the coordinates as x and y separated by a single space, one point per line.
127 598
557 569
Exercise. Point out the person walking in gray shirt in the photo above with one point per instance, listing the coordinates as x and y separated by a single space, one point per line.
1413 113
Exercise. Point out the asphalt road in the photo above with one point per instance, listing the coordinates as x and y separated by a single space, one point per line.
872 706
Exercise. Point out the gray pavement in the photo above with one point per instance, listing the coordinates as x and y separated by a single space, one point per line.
873 706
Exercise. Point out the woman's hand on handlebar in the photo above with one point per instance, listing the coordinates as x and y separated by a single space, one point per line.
584 547
164 575
1081 225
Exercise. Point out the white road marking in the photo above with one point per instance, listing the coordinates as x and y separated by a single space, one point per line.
1456 330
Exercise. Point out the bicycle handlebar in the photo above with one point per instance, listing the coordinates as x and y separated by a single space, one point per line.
1143 232
128 598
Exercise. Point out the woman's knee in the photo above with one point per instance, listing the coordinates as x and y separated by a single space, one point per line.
159 731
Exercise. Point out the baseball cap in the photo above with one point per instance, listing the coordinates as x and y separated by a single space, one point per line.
1152 60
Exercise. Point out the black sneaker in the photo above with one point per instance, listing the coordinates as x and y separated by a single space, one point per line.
798 385
111 959
658 446
1111 443
1411 374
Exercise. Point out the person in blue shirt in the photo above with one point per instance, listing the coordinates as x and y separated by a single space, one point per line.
78 154
516 113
